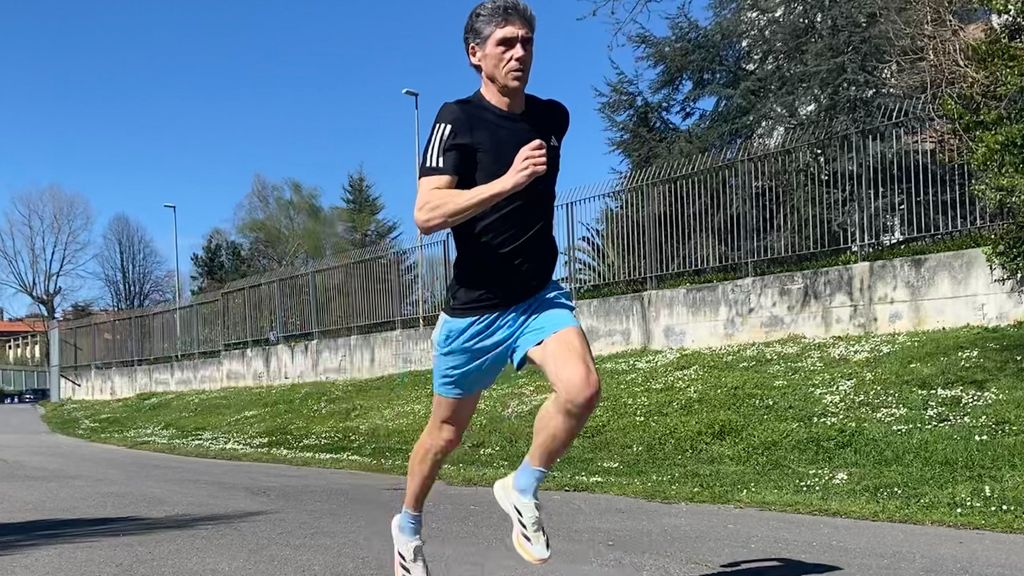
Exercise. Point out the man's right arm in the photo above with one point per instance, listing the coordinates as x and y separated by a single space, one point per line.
440 205
446 155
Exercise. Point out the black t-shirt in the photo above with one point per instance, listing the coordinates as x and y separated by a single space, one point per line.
506 253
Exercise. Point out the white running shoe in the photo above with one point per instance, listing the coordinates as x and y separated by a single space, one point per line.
528 535
409 558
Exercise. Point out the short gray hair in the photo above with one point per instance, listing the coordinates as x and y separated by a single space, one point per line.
490 15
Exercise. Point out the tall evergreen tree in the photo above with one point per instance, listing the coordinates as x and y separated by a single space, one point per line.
361 214
760 73
221 260
749 68
379 280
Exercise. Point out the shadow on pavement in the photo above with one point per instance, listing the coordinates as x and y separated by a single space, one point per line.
775 567
19 536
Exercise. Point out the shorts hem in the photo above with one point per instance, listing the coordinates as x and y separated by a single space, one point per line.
451 394
520 358
456 392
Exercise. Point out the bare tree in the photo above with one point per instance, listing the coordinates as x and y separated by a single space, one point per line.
44 245
932 41
131 269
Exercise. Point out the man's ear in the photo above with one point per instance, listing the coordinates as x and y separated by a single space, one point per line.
474 54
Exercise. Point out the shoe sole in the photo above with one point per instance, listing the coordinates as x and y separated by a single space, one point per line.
394 548
506 506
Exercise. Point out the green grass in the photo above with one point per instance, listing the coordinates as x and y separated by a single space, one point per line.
921 427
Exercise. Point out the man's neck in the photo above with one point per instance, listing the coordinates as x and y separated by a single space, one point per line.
514 102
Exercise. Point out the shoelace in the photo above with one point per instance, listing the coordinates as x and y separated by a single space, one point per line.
533 520
417 553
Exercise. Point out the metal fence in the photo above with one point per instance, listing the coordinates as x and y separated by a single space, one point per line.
23 361
789 197
21 378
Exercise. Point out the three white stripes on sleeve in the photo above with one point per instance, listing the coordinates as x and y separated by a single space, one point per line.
438 139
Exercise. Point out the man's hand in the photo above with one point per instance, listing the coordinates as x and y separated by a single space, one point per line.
531 162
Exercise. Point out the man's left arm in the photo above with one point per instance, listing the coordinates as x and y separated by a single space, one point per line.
562 119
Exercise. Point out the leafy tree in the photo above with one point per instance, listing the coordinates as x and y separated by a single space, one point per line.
987 109
286 224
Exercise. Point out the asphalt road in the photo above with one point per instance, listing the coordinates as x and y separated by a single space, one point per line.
69 507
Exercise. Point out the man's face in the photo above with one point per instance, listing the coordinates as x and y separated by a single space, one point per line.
505 59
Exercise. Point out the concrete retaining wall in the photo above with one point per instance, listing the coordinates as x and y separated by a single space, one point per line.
927 292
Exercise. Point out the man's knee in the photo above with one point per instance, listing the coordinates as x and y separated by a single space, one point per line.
444 437
583 393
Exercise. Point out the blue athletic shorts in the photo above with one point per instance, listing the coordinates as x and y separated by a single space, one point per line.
470 353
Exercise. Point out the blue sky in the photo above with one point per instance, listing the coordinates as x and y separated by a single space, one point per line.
134 104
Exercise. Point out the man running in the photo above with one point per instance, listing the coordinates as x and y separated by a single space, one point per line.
488 172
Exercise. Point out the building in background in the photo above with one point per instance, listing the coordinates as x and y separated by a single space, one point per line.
21 341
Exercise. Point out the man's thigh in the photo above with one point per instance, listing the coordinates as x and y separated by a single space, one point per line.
567 361
454 412
554 340
542 321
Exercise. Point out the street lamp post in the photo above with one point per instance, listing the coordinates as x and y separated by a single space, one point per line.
416 156
416 109
177 283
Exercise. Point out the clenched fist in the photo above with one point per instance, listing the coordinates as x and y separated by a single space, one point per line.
531 162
